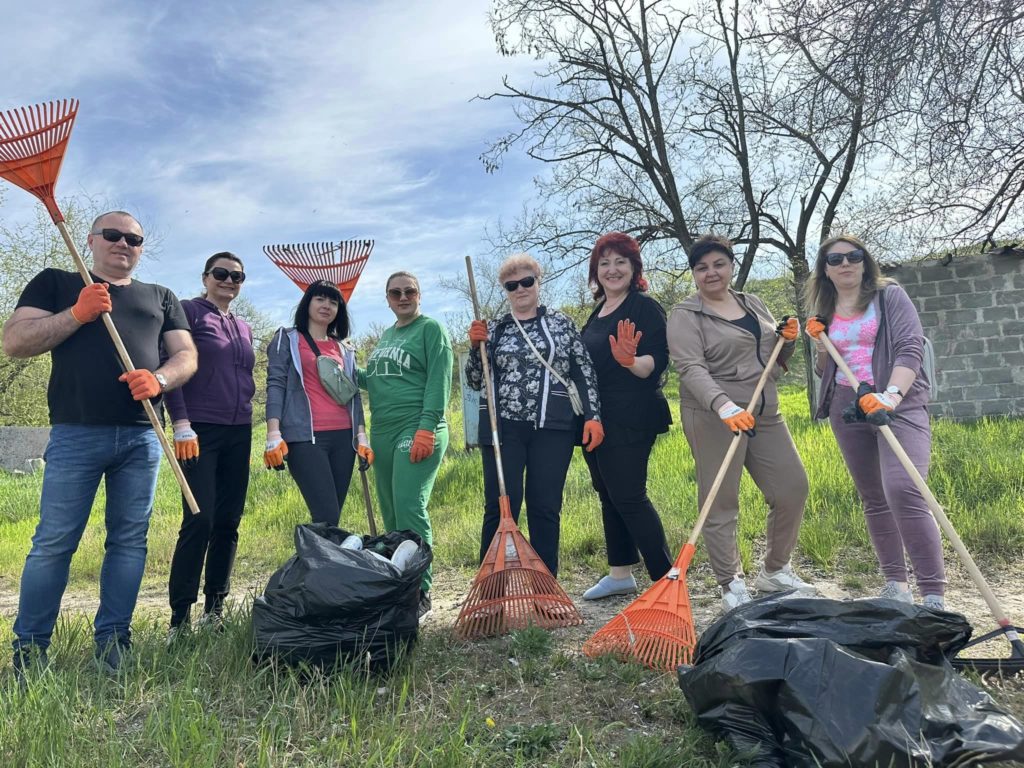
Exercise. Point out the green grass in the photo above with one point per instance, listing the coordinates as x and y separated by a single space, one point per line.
526 699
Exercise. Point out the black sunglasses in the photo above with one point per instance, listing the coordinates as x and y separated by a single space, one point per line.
397 293
834 259
219 273
114 235
526 282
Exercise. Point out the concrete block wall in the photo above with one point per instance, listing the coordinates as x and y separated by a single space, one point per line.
972 309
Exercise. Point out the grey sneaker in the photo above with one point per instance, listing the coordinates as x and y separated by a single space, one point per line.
782 580
934 602
211 622
735 594
178 633
893 591
607 587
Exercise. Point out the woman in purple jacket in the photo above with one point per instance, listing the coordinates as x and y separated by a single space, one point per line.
212 420
874 325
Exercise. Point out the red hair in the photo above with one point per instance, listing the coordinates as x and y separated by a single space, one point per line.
623 245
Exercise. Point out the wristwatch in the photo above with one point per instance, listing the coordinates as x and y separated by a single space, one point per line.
161 380
892 389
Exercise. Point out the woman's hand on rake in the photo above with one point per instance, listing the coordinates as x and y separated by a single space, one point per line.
736 419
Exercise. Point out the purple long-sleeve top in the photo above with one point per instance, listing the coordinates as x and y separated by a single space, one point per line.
221 391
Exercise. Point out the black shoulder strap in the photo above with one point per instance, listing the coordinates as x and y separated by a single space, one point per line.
312 344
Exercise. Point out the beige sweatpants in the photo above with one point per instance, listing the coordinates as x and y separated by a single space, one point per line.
775 467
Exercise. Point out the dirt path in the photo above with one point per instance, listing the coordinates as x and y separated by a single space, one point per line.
451 587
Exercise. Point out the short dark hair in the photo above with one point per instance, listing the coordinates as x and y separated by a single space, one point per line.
337 329
625 246
102 216
708 244
222 255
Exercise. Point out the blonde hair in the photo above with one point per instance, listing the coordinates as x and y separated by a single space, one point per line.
410 275
820 293
517 262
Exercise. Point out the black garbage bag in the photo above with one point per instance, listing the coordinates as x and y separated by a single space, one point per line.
818 682
327 605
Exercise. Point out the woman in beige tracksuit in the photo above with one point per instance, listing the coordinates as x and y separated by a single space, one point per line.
719 340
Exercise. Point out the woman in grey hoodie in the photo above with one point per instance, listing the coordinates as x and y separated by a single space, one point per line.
874 325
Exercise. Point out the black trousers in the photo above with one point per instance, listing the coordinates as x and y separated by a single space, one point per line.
323 471
619 474
219 480
542 456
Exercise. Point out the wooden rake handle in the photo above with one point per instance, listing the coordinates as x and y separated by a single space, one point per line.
126 361
364 465
933 504
733 446
488 382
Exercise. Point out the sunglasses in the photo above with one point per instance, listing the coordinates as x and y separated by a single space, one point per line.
115 235
398 293
853 257
526 282
219 273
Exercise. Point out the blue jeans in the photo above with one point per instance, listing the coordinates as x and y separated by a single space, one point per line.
77 456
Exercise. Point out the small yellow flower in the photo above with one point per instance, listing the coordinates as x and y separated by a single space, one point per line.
490 722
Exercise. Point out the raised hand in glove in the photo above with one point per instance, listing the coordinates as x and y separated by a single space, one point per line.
736 419
477 332
624 347
186 443
142 383
422 445
276 450
815 326
877 401
593 434
363 450
788 328
93 300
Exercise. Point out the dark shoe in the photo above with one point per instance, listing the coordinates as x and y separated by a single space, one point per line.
28 660
112 657
211 622
426 607
178 633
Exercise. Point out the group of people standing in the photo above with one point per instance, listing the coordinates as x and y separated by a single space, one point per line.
556 387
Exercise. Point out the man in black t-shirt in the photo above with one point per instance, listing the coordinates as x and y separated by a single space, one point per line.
99 428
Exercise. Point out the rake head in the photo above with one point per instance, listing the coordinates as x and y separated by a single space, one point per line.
513 589
32 144
656 628
304 263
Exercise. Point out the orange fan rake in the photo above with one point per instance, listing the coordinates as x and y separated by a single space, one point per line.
342 262
657 628
32 144
513 588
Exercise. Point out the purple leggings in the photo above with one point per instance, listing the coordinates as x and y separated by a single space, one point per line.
897 515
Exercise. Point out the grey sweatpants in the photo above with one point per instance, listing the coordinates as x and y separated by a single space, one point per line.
775 467
897 515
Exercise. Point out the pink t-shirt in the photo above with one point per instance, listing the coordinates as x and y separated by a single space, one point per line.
327 414
854 337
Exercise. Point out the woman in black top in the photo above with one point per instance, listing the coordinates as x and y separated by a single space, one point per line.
625 336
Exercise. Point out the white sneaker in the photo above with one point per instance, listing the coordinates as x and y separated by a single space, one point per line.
352 542
782 580
935 602
403 554
893 591
735 594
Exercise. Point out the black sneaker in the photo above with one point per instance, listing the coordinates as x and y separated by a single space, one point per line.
112 657
28 660
426 607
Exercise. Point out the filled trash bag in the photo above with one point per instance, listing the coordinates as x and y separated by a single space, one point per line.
331 603
818 682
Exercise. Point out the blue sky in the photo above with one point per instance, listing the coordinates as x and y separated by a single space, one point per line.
232 125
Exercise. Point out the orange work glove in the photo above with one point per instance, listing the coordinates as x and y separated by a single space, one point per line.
736 419
142 383
363 450
93 300
477 332
422 445
788 328
877 401
186 443
276 450
624 347
815 326
593 434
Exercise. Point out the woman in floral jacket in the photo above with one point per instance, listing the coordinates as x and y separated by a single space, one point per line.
537 423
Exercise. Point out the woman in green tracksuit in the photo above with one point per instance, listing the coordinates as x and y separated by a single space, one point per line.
409 378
